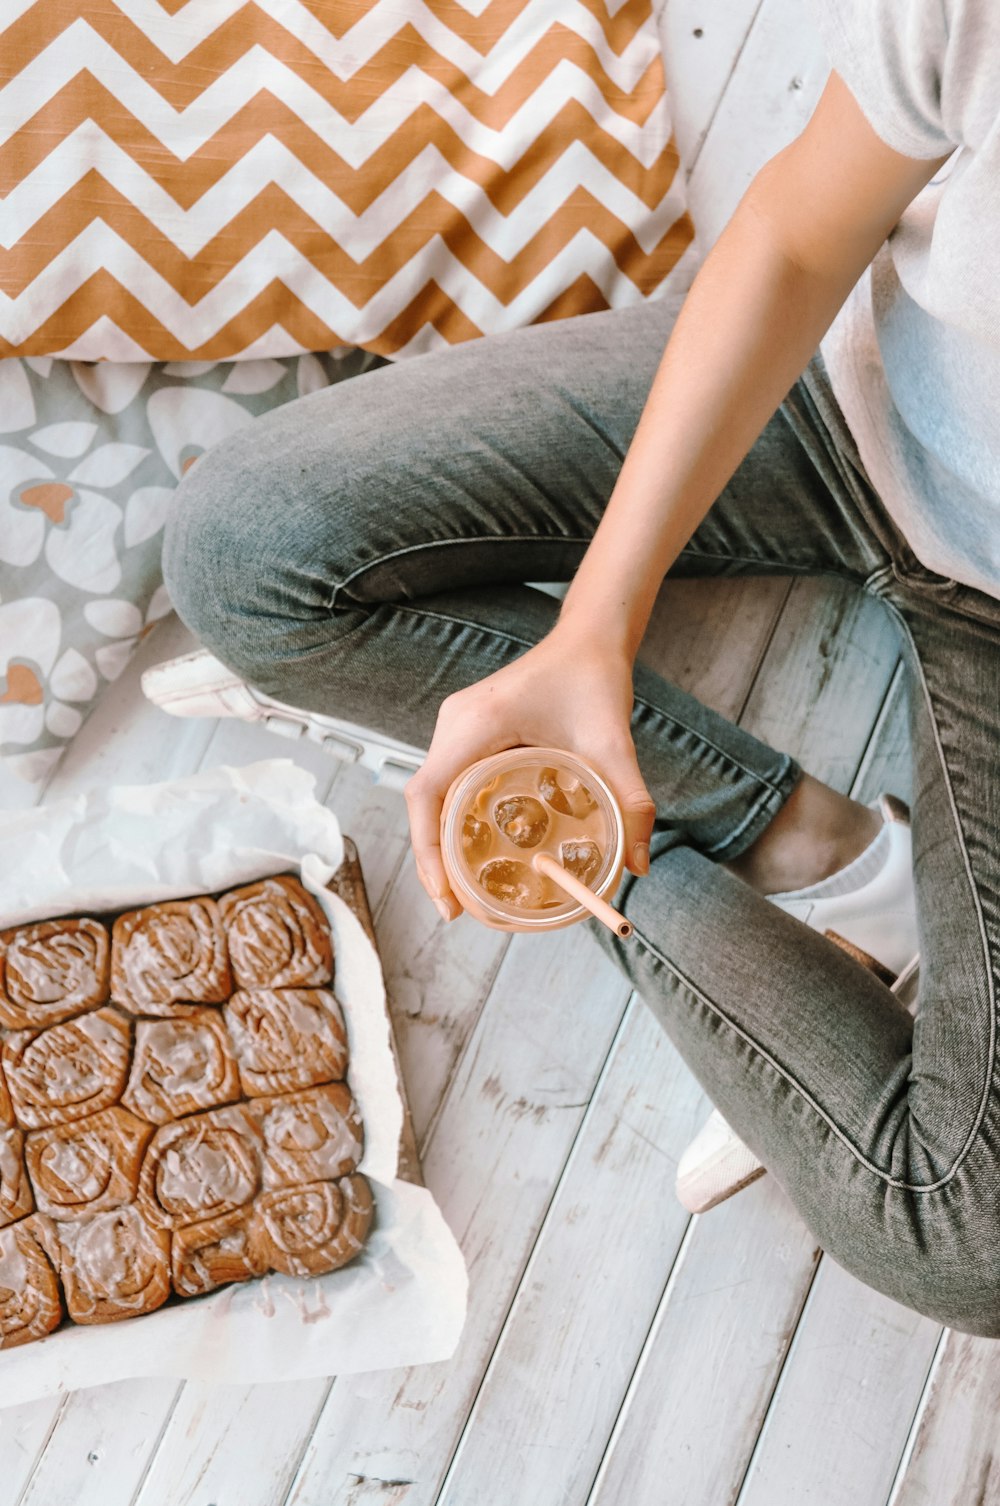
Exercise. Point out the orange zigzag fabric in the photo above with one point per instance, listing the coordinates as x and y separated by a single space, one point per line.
278 177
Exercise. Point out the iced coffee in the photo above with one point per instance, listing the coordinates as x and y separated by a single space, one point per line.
503 811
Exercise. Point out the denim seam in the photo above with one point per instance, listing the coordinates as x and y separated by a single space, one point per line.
395 606
722 752
782 1072
987 965
477 627
752 814
476 538
890 1181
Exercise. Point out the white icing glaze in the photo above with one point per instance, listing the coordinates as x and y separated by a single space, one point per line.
116 1257
170 952
307 1138
276 937
53 969
72 1166
13 1267
202 1167
67 1070
287 1038
181 1065
76 1171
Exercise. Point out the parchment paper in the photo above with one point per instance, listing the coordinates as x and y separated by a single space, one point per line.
403 1300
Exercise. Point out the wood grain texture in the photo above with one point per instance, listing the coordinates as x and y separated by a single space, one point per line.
853 1377
564 1359
689 1421
497 1149
771 94
954 1458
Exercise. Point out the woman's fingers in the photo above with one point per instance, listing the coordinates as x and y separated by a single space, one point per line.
461 736
621 770
424 801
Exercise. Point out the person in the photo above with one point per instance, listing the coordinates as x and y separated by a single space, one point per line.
824 400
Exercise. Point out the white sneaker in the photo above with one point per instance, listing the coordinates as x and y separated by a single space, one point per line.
198 684
876 922
872 914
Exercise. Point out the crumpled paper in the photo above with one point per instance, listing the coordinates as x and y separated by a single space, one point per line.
403 1300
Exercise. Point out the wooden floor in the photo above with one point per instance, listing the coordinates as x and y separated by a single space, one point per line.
647 1359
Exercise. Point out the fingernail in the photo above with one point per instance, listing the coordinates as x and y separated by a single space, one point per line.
443 908
640 856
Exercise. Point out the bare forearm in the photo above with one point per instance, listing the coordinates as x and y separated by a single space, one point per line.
748 327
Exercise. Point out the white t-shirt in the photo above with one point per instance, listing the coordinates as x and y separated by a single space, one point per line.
914 354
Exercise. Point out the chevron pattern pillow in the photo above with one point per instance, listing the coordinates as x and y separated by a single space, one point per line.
220 179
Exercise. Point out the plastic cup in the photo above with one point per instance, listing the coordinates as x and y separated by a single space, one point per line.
502 810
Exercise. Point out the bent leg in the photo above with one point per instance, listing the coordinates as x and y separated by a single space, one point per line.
885 1132
361 551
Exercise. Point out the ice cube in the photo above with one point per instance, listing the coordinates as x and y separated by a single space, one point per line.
581 858
566 793
513 883
522 819
477 839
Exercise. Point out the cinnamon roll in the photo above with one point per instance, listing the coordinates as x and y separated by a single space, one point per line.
15 1189
181 1066
169 956
51 971
278 935
287 1038
30 1305
6 1107
307 1230
213 1253
312 1136
201 1167
87 1166
114 1265
69 1070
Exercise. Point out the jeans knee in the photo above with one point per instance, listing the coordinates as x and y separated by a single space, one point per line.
209 551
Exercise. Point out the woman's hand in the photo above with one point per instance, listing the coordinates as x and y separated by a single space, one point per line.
570 691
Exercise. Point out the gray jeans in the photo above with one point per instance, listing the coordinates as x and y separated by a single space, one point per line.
361 551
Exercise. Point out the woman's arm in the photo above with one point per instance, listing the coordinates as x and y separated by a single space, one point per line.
809 224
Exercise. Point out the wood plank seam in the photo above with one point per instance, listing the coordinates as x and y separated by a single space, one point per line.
56 1419
633 1001
676 1266
918 1416
160 1433
722 94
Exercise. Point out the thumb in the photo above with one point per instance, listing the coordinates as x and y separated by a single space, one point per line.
637 806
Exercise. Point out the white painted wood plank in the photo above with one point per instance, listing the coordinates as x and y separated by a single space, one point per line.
375 817
888 764
840 1418
824 678
98 1452
232 1446
438 977
724 1328
553 1386
24 1432
955 1456
497 1149
706 1375
702 40
710 636
772 93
